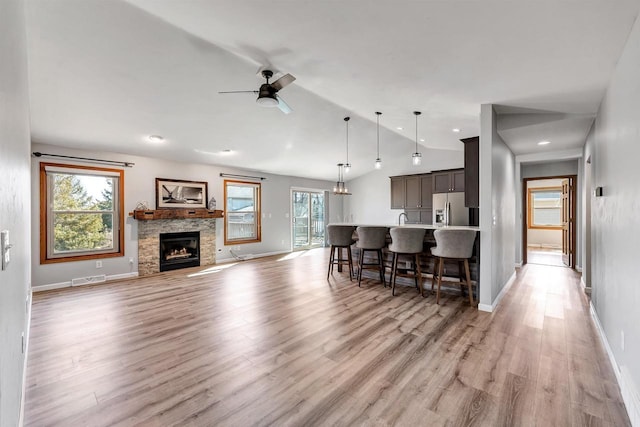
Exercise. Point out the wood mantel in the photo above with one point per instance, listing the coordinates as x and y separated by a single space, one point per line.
151 214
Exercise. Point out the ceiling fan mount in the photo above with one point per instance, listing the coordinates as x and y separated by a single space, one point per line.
268 92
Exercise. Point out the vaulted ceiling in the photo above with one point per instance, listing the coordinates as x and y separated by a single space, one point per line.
106 74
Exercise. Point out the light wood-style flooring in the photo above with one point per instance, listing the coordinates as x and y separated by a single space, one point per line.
272 342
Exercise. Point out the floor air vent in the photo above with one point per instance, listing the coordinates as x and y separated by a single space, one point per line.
88 280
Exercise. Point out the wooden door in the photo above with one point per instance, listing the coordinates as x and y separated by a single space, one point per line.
566 223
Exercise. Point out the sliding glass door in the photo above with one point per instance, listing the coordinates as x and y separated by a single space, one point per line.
307 219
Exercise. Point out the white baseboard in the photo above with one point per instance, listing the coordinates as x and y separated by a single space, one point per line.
24 367
505 289
629 392
68 284
585 288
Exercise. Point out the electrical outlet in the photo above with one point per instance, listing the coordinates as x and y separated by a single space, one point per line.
98 264
622 340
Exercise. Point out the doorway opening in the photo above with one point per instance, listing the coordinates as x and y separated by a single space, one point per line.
549 221
307 219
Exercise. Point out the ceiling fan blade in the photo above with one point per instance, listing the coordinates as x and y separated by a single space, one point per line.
240 91
283 81
283 106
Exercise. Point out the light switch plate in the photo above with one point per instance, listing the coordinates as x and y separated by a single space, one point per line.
4 248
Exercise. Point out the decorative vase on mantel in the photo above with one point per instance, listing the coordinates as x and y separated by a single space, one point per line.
212 204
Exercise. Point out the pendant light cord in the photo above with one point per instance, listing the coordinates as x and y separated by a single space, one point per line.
346 119
378 131
417 113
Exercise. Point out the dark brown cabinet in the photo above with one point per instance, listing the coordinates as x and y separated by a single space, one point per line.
448 181
471 172
419 216
414 194
397 192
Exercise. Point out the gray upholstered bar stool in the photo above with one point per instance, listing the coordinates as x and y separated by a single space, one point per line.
340 237
454 245
371 239
406 241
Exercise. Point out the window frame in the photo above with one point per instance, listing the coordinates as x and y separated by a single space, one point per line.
46 207
530 208
257 211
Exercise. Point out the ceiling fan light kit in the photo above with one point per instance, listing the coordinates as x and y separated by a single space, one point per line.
268 92
416 157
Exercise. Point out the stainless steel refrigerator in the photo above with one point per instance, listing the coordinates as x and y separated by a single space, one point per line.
449 209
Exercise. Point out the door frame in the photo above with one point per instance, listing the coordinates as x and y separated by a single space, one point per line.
324 193
573 190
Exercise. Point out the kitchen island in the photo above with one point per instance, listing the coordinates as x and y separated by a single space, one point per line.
427 260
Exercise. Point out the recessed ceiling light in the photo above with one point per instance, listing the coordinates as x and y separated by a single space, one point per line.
421 139
544 142
155 138
456 130
399 128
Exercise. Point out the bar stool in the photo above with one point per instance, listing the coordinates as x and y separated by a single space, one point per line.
406 241
340 237
371 239
453 245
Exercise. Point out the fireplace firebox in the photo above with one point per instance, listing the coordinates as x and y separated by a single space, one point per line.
179 250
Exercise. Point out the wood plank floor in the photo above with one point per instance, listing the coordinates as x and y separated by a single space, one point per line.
272 342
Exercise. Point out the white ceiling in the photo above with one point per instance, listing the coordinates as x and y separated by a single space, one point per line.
104 74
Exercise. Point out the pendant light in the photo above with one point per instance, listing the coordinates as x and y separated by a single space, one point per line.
378 163
347 166
417 156
340 188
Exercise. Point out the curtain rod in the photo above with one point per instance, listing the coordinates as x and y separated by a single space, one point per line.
230 175
86 159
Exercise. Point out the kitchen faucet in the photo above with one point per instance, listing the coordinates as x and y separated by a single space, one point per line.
406 217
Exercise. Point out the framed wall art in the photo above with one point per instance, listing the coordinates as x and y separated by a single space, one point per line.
177 193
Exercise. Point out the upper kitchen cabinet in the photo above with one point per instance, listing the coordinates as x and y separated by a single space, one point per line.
471 171
411 192
451 181
397 192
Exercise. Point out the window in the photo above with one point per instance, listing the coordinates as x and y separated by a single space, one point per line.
80 212
242 212
545 208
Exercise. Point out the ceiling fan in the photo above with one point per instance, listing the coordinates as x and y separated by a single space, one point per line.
268 92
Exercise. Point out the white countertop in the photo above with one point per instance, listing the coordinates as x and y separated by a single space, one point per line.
425 226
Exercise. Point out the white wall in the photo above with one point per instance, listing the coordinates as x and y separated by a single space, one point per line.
497 210
140 186
615 220
14 207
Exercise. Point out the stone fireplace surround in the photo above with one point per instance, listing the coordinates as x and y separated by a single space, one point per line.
149 240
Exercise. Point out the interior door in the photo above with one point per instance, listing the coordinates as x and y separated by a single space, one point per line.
566 223
307 209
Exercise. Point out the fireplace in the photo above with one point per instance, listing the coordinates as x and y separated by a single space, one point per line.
179 250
